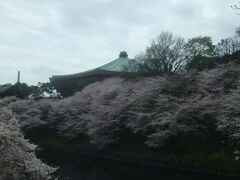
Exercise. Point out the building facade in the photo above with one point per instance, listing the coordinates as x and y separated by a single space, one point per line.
69 84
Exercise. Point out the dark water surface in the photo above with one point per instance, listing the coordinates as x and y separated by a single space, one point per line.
80 167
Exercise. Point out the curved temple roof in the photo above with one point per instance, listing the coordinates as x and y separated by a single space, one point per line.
122 64
68 84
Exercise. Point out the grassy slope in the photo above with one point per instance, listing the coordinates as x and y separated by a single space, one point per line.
185 151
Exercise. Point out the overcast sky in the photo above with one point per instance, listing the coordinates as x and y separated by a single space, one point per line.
46 37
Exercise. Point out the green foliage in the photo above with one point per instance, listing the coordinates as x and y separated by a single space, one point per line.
200 51
200 63
20 90
37 92
169 53
203 54
47 87
200 46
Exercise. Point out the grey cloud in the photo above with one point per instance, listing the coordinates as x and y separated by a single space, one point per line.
61 36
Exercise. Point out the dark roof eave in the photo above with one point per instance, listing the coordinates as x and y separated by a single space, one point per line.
90 73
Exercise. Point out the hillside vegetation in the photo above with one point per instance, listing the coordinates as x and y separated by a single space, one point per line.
154 111
158 107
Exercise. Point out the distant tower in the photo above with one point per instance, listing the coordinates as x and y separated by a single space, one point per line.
18 77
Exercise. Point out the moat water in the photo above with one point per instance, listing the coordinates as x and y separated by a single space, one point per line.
80 167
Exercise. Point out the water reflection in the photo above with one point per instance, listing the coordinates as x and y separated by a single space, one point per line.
79 167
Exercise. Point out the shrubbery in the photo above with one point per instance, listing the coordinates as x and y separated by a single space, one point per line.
22 91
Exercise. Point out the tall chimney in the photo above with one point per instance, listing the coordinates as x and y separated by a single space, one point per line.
18 77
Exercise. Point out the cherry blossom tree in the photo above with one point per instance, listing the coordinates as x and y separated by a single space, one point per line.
18 160
159 107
